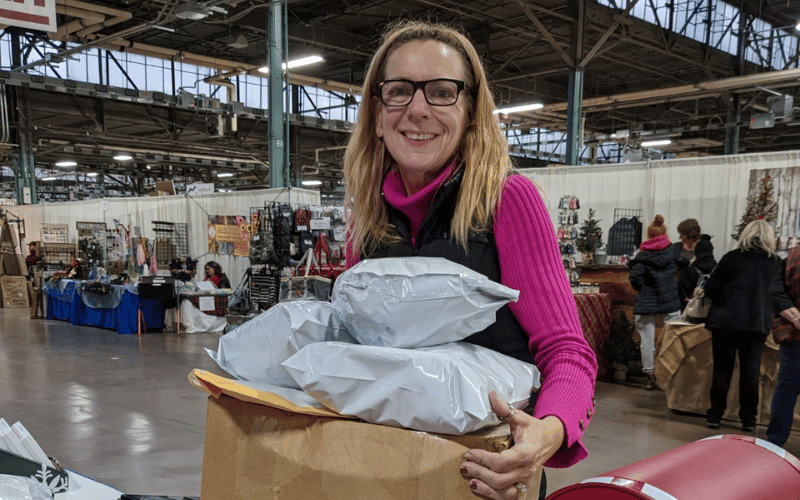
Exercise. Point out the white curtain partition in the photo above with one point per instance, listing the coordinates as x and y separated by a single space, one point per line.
140 212
712 190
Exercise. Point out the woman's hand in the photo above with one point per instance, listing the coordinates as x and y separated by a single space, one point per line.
504 475
792 314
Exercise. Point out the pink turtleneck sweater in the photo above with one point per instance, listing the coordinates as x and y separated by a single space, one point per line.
531 263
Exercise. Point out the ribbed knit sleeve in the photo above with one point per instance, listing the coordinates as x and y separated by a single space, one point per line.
530 262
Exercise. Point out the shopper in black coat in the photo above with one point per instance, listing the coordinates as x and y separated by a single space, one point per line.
703 263
652 275
746 289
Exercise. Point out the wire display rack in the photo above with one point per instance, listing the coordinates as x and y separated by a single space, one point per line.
53 233
56 256
625 233
171 241
88 231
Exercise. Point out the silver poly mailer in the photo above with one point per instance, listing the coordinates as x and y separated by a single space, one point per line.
416 302
442 389
255 350
23 488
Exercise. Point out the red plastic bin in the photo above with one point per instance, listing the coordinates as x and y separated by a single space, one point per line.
729 467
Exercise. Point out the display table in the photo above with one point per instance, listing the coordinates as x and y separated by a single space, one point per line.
684 368
594 311
202 311
613 280
116 311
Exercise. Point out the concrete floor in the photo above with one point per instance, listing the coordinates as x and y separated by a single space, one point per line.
119 409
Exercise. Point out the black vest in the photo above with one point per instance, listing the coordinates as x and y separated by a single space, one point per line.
505 335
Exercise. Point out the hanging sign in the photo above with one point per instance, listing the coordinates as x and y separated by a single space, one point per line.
32 14
229 235
200 188
320 224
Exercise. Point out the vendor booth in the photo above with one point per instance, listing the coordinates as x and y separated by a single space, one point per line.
684 369
69 300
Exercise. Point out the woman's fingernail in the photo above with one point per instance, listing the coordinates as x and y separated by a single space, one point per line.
473 485
463 469
468 456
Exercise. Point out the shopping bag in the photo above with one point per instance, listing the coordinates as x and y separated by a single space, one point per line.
239 301
305 287
697 309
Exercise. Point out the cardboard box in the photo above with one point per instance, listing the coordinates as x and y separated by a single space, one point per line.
257 451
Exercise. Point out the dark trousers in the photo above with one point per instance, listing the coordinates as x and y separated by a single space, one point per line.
724 345
785 397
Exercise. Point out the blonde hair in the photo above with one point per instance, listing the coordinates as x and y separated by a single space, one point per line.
757 235
657 227
482 156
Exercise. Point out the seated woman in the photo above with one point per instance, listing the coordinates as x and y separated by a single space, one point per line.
213 273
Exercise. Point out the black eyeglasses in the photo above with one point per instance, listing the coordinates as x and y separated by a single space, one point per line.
438 92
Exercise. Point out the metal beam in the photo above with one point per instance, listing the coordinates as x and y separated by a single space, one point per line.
610 31
545 33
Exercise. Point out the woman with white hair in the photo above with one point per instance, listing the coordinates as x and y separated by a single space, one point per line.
746 289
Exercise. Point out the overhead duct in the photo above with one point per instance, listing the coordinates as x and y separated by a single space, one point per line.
90 18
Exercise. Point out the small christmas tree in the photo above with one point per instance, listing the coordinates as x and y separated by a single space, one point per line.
760 206
590 236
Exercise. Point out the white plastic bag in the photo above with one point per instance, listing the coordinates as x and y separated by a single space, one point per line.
416 302
442 389
255 350
23 488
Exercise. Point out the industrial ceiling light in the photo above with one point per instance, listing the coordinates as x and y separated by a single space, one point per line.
296 63
312 183
66 163
123 157
236 39
190 10
519 109
48 178
92 174
658 142
224 174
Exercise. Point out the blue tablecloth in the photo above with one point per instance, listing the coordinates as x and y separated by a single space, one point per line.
65 303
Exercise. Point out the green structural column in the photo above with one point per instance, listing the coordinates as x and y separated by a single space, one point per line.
277 131
732 127
574 139
24 169
24 178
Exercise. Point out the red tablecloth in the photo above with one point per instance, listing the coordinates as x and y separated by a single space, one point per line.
594 311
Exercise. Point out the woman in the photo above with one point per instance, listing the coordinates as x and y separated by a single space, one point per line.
788 388
702 263
689 235
745 288
213 273
652 275
427 172
31 259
